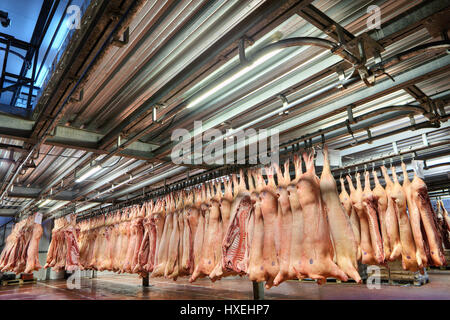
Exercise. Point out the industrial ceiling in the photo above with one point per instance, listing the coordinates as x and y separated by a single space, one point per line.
120 84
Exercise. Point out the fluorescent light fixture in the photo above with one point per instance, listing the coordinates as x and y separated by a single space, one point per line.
44 203
440 160
229 80
89 173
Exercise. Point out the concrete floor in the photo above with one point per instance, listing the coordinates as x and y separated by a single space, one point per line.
125 287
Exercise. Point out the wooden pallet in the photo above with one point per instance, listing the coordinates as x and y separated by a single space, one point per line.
395 275
16 282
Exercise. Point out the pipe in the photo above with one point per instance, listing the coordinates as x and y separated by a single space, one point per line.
410 53
308 41
400 153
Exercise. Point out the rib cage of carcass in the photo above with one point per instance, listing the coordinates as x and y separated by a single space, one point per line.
63 252
270 230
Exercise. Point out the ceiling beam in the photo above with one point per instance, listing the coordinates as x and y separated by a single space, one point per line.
20 129
33 193
7 212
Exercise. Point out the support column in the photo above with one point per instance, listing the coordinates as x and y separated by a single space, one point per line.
258 290
145 281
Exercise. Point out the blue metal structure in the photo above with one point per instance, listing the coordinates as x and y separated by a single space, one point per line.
37 32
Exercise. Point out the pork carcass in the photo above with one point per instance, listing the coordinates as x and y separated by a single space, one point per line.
414 217
370 202
144 248
356 195
409 260
444 221
21 251
72 251
163 248
346 203
344 240
382 204
33 249
297 233
256 260
391 219
285 217
419 192
171 269
445 215
269 210
226 201
157 221
235 246
190 216
316 247
213 235
199 237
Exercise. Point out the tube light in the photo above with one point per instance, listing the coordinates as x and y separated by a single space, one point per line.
44 203
89 173
229 80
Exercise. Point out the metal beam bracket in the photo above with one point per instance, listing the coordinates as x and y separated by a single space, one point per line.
155 109
350 114
80 97
341 76
126 37
241 46
369 136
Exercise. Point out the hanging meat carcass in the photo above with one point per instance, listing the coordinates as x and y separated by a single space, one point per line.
21 250
409 260
64 251
391 219
256 260
163 249
419 194
357 196
341 230
382 204
444 221
199 235
235 246
297 233
190 217
316 247
269 210
226 201
213 236
171 268
346 203
445 215
370 202
144 247
285 218
414 217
